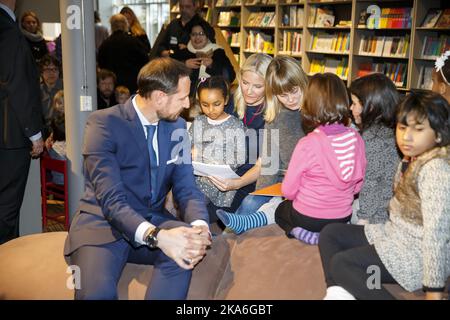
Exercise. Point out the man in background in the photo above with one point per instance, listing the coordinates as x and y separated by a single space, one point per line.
20 119
176 36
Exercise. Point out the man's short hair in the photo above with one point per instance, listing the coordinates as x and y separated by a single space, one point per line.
161 74
118 23
102 74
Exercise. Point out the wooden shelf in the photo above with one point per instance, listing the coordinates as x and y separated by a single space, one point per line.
378 56
328 52
343 10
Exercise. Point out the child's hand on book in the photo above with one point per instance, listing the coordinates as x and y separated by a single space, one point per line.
225 184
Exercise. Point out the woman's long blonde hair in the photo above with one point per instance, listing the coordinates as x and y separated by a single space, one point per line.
256 63
135 26
283 75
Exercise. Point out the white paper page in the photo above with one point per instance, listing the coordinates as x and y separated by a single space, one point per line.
216 170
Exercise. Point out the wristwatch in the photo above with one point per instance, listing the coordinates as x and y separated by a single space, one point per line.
151 239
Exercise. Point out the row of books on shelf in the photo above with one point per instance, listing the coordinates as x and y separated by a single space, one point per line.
434 46
261 19
321 17
385 46
228 3
233 38
333 65
425 77
394 71
292 43
330 42
394 18
292 17
437 18
259 42
260 2
229 19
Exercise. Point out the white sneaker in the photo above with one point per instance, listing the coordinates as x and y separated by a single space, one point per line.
338 293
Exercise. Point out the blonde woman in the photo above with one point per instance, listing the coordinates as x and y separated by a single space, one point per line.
285 83
31 29
136 29
250 105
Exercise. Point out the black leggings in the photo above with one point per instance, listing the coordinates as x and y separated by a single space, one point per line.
288 218
348 260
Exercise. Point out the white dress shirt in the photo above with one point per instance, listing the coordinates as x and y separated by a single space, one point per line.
144 226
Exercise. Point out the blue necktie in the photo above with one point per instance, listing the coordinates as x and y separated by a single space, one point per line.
153 162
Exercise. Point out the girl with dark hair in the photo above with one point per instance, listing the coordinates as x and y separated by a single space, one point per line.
216 136
203 56
374 102
412 247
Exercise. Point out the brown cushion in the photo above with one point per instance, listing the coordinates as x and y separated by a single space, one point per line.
265 264
33 267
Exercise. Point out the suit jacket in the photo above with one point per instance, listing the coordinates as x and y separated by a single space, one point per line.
117 196
20 98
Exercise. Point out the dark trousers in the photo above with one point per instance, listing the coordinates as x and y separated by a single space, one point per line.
14 167
101 267
349 261
288 218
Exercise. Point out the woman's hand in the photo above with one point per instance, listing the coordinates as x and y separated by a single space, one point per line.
193 63
207 62
226 184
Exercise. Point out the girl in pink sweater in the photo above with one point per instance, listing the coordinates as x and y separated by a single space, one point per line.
327 166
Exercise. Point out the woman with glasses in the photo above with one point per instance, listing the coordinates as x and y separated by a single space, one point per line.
203 56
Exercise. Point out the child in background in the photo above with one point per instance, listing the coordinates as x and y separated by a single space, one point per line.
56 142
412 247
374 102
216 137
122 94
441 76
327 166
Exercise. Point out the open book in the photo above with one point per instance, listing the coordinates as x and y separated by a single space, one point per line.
215 170
272 191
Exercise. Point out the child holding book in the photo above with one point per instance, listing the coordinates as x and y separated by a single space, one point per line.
374 102
441 76
216 136
412 247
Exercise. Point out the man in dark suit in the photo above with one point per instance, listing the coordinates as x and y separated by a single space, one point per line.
131 161
20 119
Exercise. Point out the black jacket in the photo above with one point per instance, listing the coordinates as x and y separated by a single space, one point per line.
20 98
221 66
124 55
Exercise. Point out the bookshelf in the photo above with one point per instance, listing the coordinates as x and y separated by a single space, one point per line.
326 35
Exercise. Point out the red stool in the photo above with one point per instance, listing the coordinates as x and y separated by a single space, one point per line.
59 192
